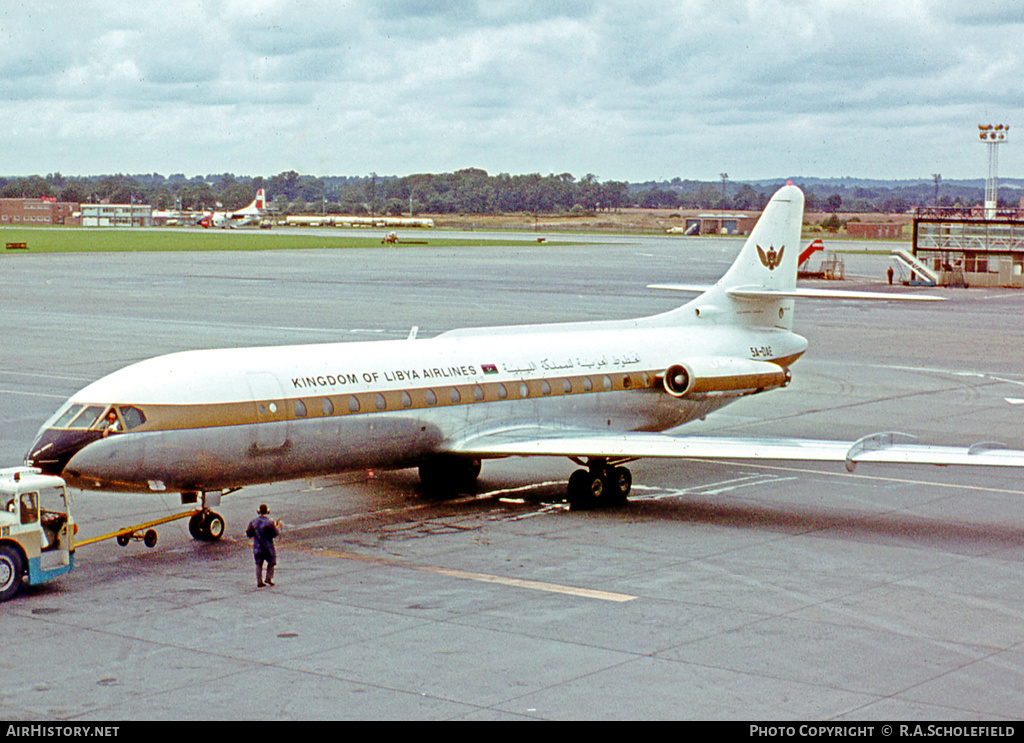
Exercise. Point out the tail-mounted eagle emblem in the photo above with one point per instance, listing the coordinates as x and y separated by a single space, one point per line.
771 259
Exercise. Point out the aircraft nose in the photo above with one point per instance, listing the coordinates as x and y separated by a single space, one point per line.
54 448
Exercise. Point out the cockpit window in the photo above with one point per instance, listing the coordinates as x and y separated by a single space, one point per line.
89 415
68 415
132 416
81 417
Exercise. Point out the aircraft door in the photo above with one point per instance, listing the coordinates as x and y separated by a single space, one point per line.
271 430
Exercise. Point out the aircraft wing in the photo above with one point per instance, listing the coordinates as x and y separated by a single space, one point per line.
888 446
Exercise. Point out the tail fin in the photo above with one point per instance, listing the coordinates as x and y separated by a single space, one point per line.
759 287
261 200
768 260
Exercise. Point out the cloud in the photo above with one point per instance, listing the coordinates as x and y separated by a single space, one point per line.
627 90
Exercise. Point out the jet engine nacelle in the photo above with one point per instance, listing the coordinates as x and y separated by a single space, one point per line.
723 375
678 380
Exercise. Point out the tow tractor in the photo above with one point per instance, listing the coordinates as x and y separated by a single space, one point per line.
37 532
36 529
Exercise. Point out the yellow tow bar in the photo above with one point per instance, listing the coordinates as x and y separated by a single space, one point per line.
136 532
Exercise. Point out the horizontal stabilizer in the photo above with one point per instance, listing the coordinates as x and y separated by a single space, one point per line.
755 292
682 287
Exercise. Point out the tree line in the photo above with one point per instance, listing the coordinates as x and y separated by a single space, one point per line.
471 191
474 191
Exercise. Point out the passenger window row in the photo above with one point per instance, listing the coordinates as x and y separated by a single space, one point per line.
487 392
117 418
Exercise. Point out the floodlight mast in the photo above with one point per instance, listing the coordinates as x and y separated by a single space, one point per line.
992 135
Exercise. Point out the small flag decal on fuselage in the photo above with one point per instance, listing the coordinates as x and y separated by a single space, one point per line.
489 368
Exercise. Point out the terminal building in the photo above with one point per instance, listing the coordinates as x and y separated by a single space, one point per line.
717 224
970 246
116 215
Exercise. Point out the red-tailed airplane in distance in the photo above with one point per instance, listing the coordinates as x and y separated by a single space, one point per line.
203 423
250 216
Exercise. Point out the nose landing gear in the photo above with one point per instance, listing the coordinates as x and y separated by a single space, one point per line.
207 526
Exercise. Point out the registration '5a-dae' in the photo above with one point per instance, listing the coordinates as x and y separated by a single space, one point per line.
205 422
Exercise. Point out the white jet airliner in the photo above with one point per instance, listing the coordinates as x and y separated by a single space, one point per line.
203 423
249 216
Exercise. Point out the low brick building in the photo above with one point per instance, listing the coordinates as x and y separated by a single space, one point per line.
32 212
875 230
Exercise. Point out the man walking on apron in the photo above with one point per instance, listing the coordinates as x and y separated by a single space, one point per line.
263 532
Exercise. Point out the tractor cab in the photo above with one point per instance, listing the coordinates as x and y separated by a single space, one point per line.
36 529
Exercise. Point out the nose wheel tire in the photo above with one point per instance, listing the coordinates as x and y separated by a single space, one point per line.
214 529
206 526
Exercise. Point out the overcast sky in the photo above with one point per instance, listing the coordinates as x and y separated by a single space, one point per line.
624 90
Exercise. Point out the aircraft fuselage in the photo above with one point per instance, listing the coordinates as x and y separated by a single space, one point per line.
208 420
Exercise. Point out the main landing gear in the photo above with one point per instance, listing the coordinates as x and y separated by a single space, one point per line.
602 484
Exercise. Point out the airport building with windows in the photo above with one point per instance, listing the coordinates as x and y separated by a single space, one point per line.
116 215
717 224
34 212
972 245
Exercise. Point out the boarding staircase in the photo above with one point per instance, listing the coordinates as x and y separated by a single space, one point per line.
833 267
920 274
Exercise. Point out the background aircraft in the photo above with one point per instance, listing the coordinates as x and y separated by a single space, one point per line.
250 216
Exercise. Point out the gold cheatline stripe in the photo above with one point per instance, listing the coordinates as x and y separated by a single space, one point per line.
532 585
174 417
177 417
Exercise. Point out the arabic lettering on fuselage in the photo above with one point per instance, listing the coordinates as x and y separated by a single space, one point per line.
549 365
629 359
519 367
528 367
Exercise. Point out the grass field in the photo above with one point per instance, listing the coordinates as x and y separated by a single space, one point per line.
105 240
